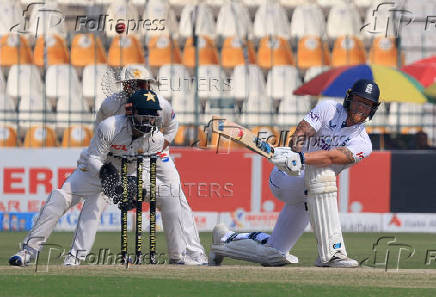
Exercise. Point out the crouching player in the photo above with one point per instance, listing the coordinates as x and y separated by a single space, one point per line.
330 138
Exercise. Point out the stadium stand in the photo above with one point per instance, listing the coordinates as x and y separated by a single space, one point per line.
125 50
10 16
312 51
203 19
76 136
163 50
8 136
234 20
40 136
307 19
274 51
236 51
383 52
92 91
164 18
343 19
87 49
207 52
124 10
271 19
348 50
14 49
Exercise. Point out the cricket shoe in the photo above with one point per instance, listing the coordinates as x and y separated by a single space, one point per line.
22 258
71 260
198 259
338 261
218 232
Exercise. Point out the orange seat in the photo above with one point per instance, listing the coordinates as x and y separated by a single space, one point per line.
268 134
38 136
125 50
77 136
376 130
312 52
274 51
411 130
8 136
232 53
57 53
86 49
384 52
348 50
14 50
207 52
163 51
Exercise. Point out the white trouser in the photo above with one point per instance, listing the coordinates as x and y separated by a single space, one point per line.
294 217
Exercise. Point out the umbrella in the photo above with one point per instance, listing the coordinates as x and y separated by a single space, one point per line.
424 73
395 86
430 92
429 60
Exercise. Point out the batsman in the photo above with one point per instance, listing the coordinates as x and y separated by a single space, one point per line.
330 138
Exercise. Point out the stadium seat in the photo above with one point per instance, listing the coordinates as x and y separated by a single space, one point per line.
8 136
343 19
348 50
268 134
174 81
92 89
291 3
184 108
46 19
232 53
271 19
307 19
86 49
329 3
8 112
125 50
281 82
384 52
10 15
212 82
207 52
312 52
121 10
71 110
162 51
57 52
274 51
258 110
247 81
40 136
167 25
24 80
204 25
34 110
62 80
234 20
14 50
379 19
76 136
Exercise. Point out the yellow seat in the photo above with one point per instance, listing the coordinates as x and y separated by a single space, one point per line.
384 52
38 136
312 52
232 53
8 136
14 50
57 52
348 50
207 52
125 50
163 51
274 51
86 49
76 136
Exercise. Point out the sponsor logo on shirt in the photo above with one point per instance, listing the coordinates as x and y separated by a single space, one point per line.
163 156
314 116
119 147
360 155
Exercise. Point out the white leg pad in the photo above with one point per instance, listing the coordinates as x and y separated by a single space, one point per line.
253 251
323 211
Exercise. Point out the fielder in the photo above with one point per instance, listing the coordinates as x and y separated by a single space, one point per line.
129 134
137 77
330 138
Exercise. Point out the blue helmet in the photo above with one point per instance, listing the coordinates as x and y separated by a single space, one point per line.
142 109
364 88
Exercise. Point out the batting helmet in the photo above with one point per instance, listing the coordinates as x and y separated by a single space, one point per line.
367 89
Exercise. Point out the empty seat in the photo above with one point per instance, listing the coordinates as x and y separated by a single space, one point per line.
274 51
247 81
236 51
76 136
312 52
57 52
92 89
271 19
281 82
343 19
87 49
307 19
7 109
40 136
24 80
291 3
184 107
62 80
46 18
34 110
204 21
10 16
330 3
14 50
8 136
207 52
164 18
125 50
234 20
212 83
384 52
348 50
122 10
174 81
163 50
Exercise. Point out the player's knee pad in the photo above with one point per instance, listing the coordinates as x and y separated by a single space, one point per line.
323 211
253 251
289 189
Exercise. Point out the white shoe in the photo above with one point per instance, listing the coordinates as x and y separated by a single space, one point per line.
22 258
338 261
217 233
71 260
199 259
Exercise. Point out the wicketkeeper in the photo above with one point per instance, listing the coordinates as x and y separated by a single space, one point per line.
330 138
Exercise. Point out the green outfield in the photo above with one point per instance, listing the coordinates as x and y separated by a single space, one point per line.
414 255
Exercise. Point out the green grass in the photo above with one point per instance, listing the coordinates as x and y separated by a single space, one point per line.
233 278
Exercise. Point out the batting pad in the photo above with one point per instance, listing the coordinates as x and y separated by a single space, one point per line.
323 211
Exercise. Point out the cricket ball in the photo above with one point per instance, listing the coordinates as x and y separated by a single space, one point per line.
120 28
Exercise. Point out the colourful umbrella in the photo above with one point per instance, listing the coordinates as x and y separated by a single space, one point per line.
395 86
429 60
430 92
424 73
